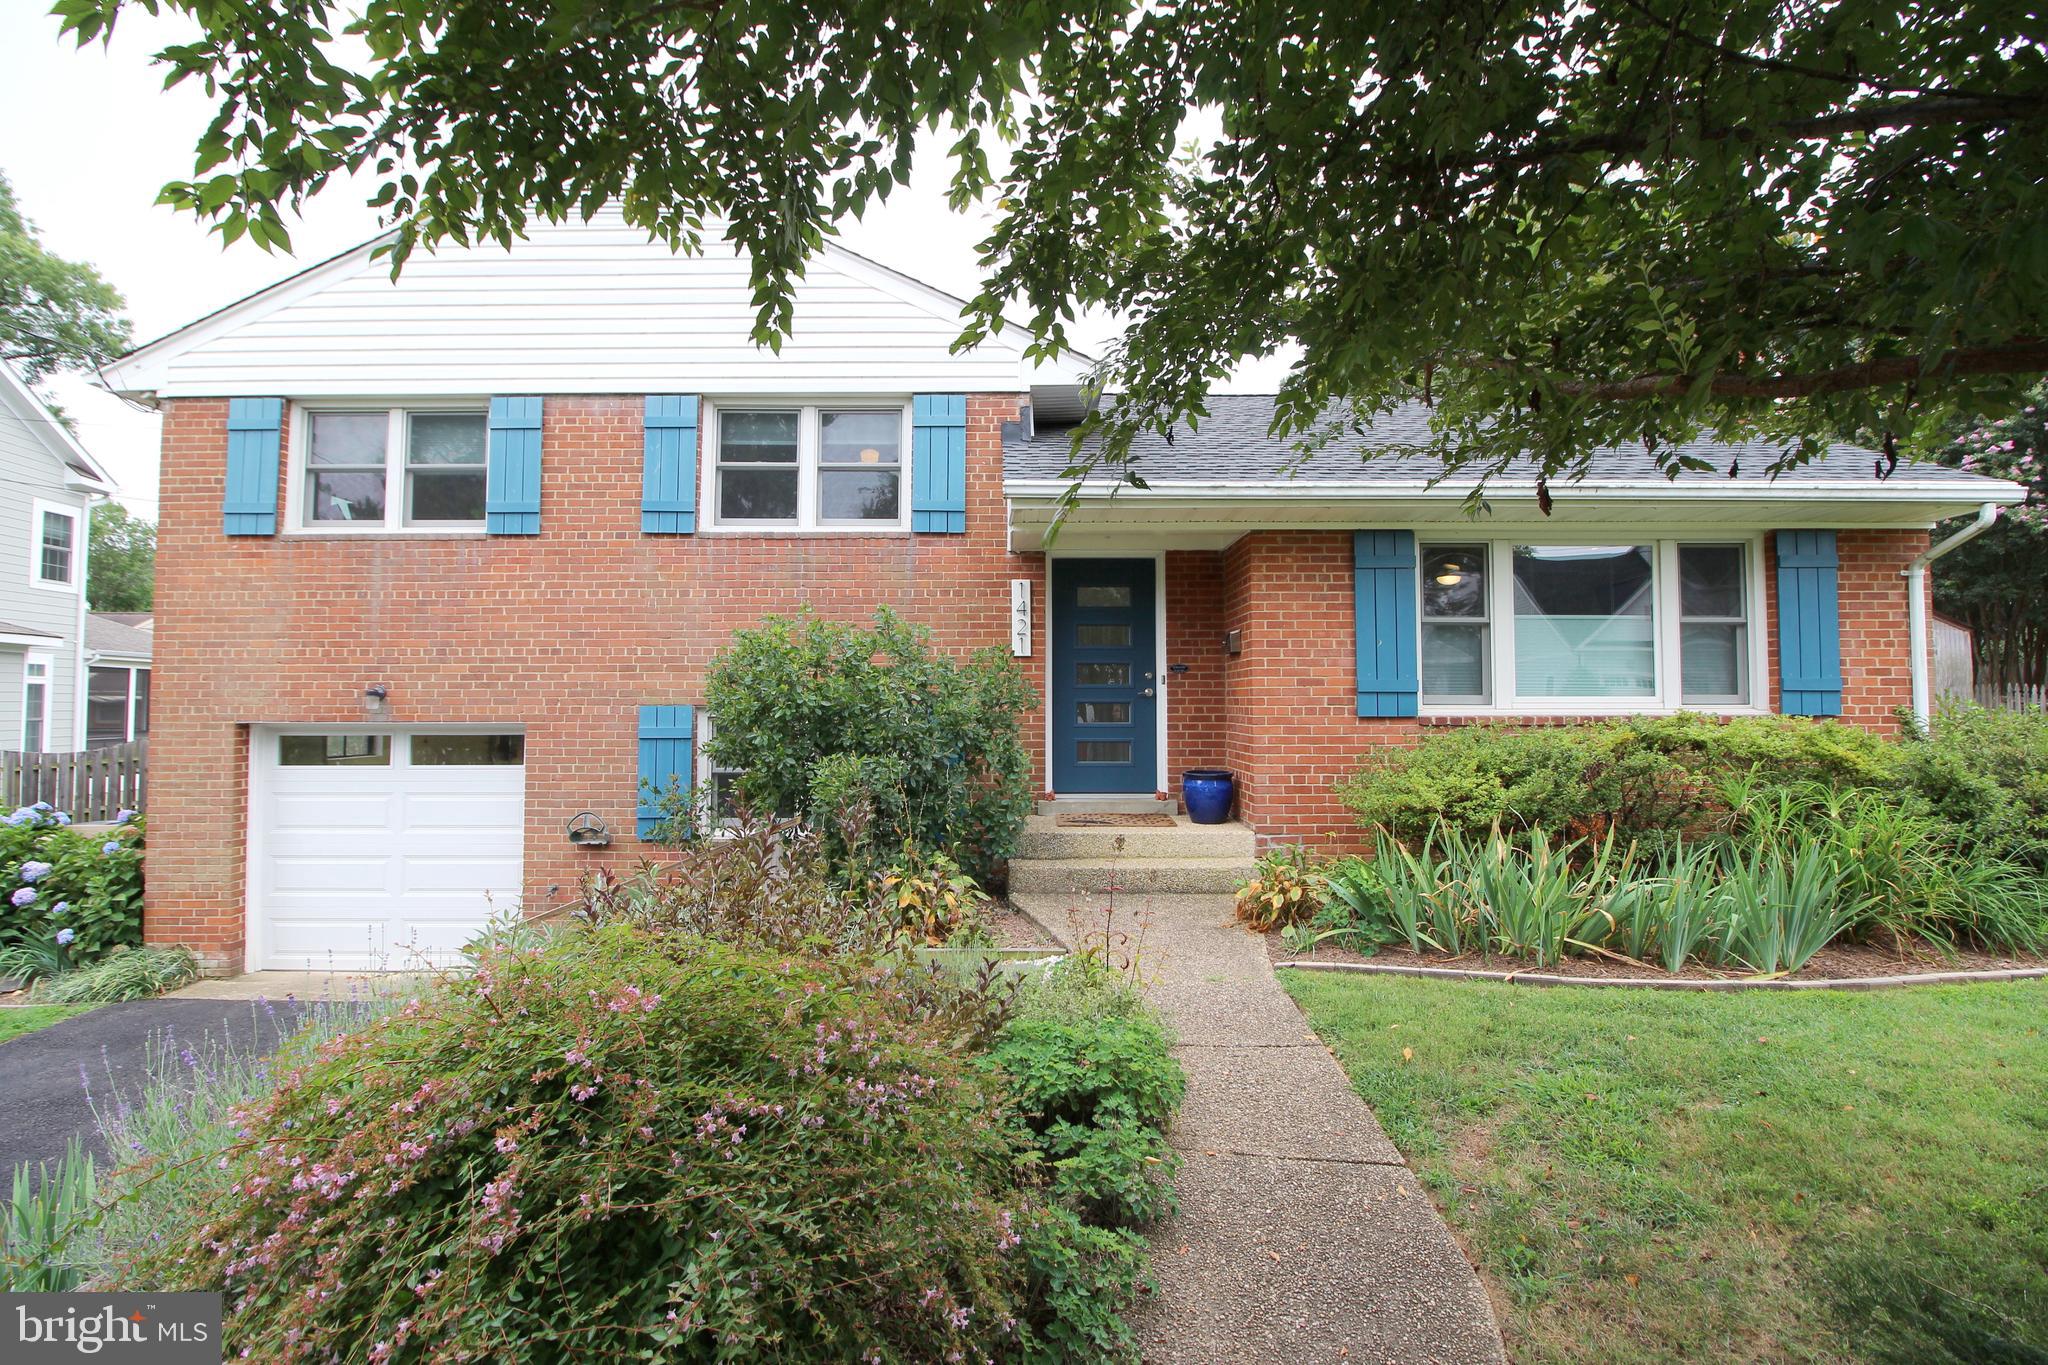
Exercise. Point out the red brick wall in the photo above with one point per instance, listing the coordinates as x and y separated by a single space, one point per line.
566 633
1290 703
1196 717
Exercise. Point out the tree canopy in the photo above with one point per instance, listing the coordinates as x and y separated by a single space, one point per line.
122 557
1564 224
54 314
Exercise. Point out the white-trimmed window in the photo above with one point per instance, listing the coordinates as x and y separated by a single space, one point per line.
54 546
389 469
35 703
1529 627
720 783
116 704
807 466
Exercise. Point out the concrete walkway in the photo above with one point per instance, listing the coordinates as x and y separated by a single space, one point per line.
1303 1236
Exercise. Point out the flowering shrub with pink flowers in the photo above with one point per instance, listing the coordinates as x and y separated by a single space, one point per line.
626 1144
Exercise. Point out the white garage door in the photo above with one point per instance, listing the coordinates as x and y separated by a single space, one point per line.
382 851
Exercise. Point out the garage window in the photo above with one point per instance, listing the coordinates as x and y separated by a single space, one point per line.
326 751
468 751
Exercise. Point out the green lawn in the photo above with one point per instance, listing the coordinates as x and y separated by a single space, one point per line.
1759 1176
28 1018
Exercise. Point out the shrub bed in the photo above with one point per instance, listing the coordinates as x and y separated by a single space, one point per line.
66 898
1741 845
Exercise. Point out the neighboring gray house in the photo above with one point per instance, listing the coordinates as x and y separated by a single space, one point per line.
48 485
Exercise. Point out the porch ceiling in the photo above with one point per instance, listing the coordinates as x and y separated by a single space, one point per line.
1186 517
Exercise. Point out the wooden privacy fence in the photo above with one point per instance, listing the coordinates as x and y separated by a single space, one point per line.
95 784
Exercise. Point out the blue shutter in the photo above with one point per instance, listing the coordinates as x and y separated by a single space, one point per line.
938 447
1383 571
512 488
668 479
255 436
1809 625
667 747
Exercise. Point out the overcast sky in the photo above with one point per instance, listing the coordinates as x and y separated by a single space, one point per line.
91 136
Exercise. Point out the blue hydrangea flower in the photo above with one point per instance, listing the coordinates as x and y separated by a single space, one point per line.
64 937
111 846
42 805
21 815
60 817
34 871
24 896
122 817
57 910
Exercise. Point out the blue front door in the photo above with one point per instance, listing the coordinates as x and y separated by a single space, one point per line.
1105 703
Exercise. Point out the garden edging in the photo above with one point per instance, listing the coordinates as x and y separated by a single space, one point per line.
1859 983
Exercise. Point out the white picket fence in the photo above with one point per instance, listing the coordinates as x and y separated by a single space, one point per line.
2013 696
91 785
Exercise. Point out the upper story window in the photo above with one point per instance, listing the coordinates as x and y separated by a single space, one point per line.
807 466
53 552
1530 628
390 469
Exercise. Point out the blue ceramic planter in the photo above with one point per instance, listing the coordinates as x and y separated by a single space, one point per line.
1208 792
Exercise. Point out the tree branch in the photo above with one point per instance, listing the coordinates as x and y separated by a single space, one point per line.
2024 355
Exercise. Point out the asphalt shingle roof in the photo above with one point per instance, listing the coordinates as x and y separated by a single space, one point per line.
1235 445
106 634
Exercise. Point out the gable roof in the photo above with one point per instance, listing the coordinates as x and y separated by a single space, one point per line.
20 403
577 307
117 635
1234 448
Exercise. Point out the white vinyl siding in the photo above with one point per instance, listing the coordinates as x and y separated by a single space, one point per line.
633 314
33 481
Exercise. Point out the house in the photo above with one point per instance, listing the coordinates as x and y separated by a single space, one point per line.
118 645
442 563
48 484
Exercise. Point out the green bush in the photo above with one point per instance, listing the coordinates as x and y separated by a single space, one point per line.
123 974
1644 778
1986 772
66 898
623 1144
1092 1070
821 715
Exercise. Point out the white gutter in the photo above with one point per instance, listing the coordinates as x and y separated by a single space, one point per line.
1916 607
1661 489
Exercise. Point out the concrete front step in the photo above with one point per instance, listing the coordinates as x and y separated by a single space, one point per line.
1113 805
1045 837
1132 876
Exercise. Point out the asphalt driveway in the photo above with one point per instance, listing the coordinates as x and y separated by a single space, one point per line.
44 1075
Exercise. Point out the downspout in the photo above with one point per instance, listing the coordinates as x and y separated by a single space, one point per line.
1916 608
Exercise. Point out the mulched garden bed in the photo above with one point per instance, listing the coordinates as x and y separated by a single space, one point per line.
1015 929
1837 961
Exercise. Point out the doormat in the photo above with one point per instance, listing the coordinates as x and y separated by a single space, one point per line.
1114 820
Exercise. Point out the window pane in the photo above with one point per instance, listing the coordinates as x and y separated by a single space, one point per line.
1453 580
35 697
1712 662
1454 661
1104 712
860 437
757 437
1583 622
447 438
1103 751
1710 580
1103 637
446 495
348 438
345 497
1102 675
106 706
1103 595
857 495
321 751
757 495
57 535
141 702
468 751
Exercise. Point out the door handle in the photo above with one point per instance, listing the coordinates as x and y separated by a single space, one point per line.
1146 693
